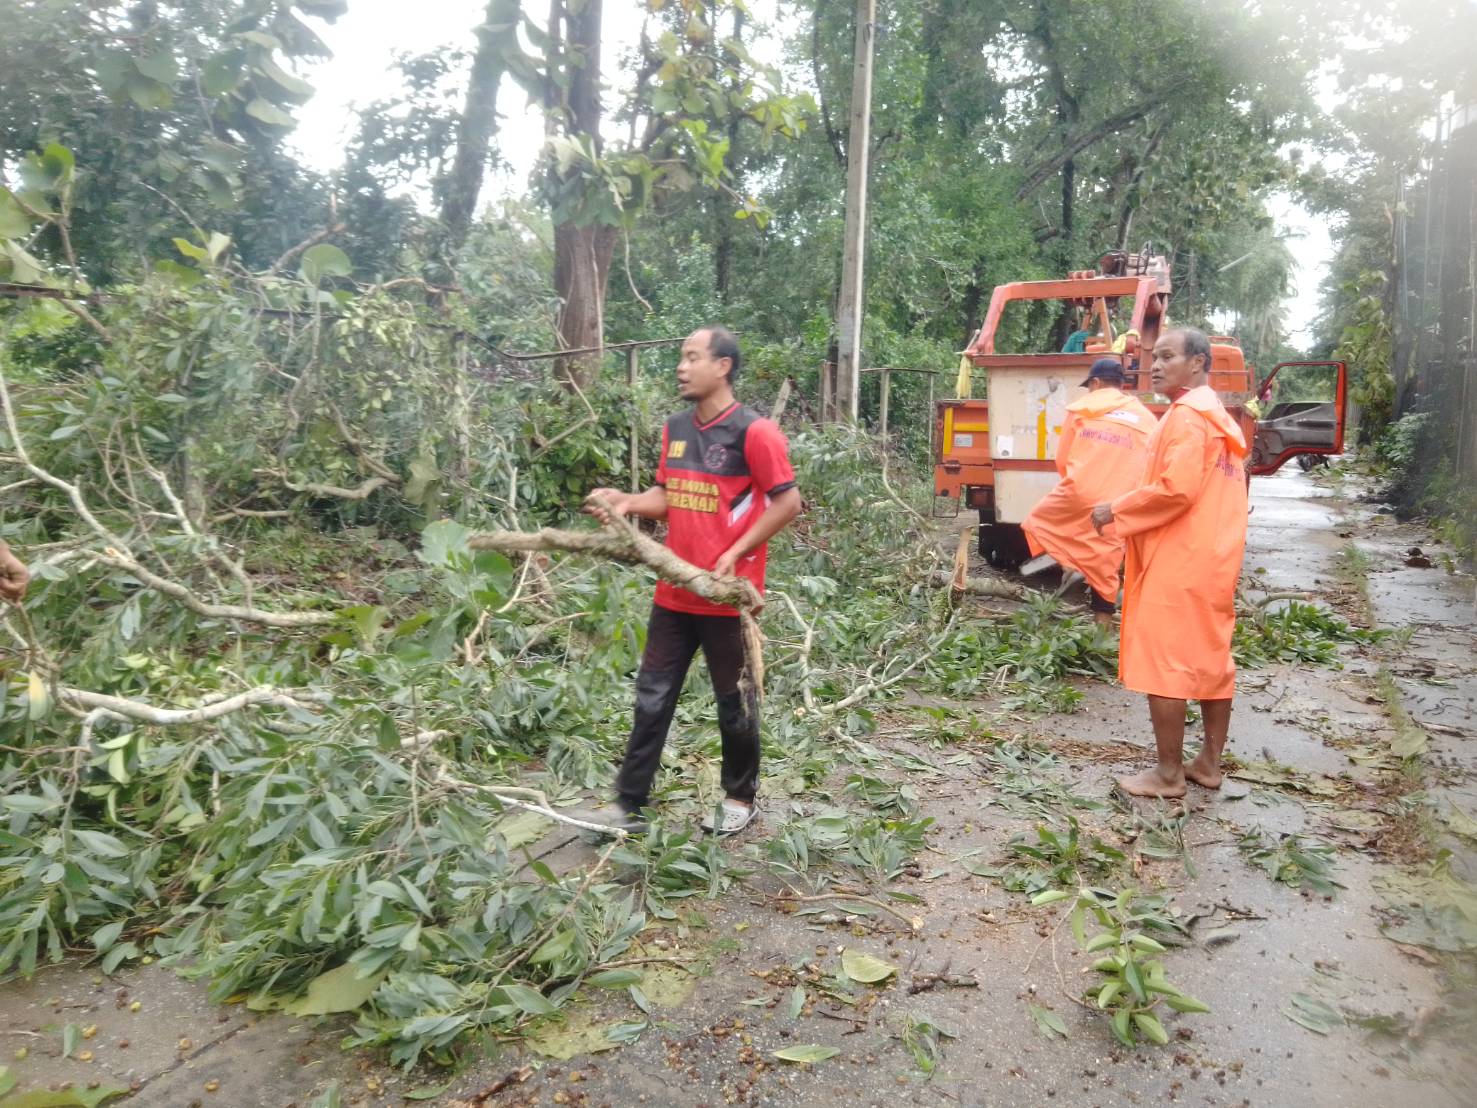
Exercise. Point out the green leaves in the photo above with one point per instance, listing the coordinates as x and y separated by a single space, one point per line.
1048 1022
340 989
1316 1015
14 222
268 113
67 1098
1292 861
1132 985
864 968
806 1055
207 254
1150 1028
324 260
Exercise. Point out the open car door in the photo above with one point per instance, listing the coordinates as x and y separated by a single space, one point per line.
1303 407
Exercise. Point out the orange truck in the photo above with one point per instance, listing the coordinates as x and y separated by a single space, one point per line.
998 454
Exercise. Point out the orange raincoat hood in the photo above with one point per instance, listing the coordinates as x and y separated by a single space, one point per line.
1204 400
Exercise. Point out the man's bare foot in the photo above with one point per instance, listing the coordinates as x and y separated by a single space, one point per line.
1206 775
1154 784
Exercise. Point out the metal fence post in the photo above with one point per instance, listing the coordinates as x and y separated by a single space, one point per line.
928 416
633 369
886 397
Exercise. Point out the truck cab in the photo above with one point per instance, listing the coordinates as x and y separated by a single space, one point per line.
998 454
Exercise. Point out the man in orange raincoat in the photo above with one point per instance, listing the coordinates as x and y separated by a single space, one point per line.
1100 456
1185 528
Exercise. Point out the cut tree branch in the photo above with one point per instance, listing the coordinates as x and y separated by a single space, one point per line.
119 556
621 542
362 491
118 707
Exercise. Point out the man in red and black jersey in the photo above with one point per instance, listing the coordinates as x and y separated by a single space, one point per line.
725 487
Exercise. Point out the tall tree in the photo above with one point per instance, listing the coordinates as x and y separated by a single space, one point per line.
174 112
691 84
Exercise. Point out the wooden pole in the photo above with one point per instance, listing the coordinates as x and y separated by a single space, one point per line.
858 154
633 369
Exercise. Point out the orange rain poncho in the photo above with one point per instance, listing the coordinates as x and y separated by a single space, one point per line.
1100 456
1186 531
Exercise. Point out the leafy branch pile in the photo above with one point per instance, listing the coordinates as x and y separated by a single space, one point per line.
1295 632
268 715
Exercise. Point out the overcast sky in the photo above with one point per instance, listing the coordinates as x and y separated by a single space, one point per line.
365 41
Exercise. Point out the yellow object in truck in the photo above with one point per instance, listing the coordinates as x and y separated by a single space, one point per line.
963 384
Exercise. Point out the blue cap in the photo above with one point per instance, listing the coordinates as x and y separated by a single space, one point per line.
1106 369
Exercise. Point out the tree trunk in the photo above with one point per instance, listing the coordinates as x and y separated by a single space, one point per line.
581 265
1069 201
581 254
723 210
1135 179
463 184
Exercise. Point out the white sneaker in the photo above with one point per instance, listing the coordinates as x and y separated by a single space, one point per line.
732 815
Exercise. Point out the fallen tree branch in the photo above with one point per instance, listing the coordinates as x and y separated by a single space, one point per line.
530 800
980 586
119 559
119 556
102 705
873 687
806 694
362 491
620 541
312 240
792 898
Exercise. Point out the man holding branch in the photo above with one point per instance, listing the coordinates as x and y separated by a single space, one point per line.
725 487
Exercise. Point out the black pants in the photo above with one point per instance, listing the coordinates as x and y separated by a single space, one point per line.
1099 603
672 638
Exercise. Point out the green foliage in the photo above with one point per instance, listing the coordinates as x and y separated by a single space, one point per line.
1019 774
1295 632
1056 859
1133 928
1035 648
874 845
166 107
1366 345
924 1040
1292 861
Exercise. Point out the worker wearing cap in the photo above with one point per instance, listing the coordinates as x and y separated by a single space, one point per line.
1185 527
1100 456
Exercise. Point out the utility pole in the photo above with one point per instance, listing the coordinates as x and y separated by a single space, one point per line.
858 155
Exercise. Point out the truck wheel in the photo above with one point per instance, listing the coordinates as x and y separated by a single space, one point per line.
1003 545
